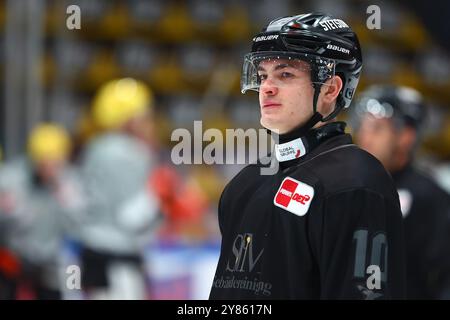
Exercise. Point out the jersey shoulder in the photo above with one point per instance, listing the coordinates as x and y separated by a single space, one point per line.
422 185
249 176
351 168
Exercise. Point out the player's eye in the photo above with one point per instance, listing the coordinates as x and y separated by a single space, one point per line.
262 77
287 75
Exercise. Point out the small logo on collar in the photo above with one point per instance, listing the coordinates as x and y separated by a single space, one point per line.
290 150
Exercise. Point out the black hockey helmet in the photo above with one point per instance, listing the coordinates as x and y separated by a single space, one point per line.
328 44
403 104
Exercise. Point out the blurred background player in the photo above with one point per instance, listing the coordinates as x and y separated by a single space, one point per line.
135 199
40 196
389 123
121 210
9 263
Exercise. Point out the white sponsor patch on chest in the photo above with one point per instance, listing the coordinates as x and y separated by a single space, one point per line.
294 196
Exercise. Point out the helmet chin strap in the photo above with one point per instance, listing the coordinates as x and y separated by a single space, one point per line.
308 125
337 109
315 118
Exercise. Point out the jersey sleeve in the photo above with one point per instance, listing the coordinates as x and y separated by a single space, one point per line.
360 247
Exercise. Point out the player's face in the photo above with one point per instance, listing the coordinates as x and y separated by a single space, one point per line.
285 94
49 170
378 137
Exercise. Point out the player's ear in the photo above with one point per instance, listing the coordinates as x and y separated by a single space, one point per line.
407 137
331 88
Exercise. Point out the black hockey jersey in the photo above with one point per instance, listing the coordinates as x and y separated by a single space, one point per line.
426 212
327 225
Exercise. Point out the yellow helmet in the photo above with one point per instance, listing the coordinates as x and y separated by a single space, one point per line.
48 142
120 100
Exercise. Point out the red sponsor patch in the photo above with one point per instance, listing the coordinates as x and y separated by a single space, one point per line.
294 196
286 192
